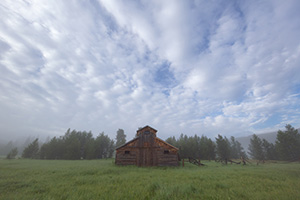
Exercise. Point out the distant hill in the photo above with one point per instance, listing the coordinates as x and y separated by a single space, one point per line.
270 137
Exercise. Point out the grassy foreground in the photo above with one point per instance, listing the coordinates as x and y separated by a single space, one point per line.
101 179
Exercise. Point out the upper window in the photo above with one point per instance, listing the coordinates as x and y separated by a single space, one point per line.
127 152
166 151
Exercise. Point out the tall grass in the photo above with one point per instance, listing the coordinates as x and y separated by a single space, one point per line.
101 179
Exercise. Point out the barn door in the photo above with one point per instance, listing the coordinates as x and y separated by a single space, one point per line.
146 157
149 157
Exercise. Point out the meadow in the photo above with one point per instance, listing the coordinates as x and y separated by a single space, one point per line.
102 179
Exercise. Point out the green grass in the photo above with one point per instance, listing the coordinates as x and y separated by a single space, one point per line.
101 179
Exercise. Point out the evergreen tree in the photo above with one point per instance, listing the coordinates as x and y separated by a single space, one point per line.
234 152
120 138
172 141
223 148
288 143
104 146
72 145
237 151
32 150
12 154
241 153
84 138
55 149
76 145
269 150
211 150
44 151
194 146
207 148
255 148
183 146
91 149
111 148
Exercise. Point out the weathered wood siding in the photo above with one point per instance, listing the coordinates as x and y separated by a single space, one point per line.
167 156
128 154
147 150
123 158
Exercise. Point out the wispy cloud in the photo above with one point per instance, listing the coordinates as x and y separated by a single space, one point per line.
183 67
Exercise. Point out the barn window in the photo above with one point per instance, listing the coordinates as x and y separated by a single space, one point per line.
127 152
146 132
166 151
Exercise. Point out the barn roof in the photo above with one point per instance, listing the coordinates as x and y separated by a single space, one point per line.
147 126
127 143
167 143
137 137
161 140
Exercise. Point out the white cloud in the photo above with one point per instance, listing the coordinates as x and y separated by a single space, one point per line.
194 68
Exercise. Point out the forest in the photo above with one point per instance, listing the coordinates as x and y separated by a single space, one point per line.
76 145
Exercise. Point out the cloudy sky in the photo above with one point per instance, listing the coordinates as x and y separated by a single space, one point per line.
192 67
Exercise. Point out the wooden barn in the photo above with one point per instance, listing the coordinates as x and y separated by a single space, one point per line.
147 150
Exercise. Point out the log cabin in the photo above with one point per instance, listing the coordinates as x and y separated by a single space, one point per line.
147 150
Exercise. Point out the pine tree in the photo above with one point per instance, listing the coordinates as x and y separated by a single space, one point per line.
104 146
32 150
12 154
288 143
269 150
237 151
223 148
120 138
255 148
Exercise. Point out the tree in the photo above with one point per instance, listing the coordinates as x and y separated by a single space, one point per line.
269 150
223 148
172 141
54 149
120 138
104 146
76 145
211 150
72 145
91 149
44 151
111 148
83 138
255 148
206 148
236 150
194 146
288 143
32 150
12 154
183 146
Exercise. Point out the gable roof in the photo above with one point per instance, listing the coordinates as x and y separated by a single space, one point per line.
137 137
127 143
145 127
155 138
166 143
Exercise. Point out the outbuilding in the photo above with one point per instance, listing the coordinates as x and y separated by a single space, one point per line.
146 149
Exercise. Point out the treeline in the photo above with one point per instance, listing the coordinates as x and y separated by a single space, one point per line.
206 149
75 145
82 145
286 147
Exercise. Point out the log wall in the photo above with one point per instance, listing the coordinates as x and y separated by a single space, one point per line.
147 150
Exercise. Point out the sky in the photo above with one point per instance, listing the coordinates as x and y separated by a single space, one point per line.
192 67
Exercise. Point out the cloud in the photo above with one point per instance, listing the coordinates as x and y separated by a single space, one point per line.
183 67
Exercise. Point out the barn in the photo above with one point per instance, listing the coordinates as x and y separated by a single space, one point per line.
147 150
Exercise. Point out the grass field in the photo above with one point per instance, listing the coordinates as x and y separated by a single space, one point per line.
101 179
